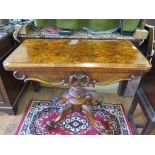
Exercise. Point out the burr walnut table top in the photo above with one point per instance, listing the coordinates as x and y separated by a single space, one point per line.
40 54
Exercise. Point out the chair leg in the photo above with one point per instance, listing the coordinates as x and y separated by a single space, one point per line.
148 127
36 86
134 104
122 87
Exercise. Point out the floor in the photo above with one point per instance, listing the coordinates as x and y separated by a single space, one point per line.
10 123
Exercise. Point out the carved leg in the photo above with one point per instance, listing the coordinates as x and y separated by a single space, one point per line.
64 100
90 100
91 119
60 117
36 86
122 87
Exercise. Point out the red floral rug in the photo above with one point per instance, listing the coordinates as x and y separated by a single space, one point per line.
37 114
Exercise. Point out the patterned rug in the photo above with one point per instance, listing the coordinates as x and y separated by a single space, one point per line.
38 113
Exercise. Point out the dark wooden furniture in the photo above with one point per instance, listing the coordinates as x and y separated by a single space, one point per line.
145 94
10 88
85 62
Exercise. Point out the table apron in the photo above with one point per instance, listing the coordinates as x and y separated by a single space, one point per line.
58 78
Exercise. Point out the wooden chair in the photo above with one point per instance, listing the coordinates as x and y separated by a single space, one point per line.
145 94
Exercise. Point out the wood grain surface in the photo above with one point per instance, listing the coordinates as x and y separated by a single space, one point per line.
44 54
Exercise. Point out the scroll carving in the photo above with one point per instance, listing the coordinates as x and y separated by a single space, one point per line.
19 75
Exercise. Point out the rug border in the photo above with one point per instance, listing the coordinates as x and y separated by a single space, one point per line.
23 117
31 101
25 113
130 128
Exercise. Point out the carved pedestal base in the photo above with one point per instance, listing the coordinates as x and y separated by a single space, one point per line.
78 99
